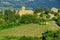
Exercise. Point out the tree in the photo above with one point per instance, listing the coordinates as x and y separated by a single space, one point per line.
23 38
57 35
47 11
59 11
37 10
10 16
48 35
41 21
58 20
42 14
27 18
48 16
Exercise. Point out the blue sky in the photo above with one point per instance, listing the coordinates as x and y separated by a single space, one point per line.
32 3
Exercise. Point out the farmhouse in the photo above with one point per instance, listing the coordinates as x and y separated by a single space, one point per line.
24 11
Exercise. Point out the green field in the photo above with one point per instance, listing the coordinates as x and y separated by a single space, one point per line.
34 30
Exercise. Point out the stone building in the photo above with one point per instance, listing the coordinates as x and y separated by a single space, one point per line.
54 9
24 11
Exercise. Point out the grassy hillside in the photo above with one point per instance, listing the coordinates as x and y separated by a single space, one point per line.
29 30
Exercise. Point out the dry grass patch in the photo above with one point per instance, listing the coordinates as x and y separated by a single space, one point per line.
28 30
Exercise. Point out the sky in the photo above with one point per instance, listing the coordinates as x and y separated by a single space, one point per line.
32 3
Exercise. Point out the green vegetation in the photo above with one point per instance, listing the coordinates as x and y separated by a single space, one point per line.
10 16
29 30
38 10
28 18
48 35
44 26
58 20
47 11
8 25
20 38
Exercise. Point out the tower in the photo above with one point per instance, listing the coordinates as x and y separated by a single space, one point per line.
23 8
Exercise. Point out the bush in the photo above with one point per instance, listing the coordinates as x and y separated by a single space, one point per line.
9 38
28 18
8 25
41 21
37 10
2 21
42 14
51 35
47 11
58 20
57 35
20 38
54 19
48 35
23 38
48 16
29 38
10 16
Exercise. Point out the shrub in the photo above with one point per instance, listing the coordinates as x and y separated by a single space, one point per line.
8 25
48 35
48 16
59 10
2 21
54 19
9 38
23 38
37 10
41 21
58 20
29 38
1 16
57 35
51 35
47 11
41 15
10 16
28 18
